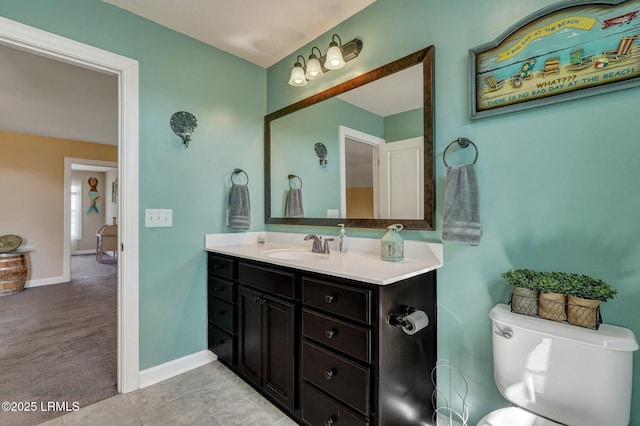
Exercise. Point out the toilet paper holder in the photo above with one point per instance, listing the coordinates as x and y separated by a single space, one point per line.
398 319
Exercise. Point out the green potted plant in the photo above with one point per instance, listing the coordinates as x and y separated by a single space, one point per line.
524 296
584 296
553 288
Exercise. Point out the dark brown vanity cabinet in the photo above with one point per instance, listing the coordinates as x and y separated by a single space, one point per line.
267 341
356 368
222 308
322 347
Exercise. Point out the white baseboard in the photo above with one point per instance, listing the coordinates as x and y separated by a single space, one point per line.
88 251
46 281
165 371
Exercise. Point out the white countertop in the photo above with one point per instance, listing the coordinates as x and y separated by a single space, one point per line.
362 263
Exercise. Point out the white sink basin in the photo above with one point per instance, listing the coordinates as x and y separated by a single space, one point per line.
294 254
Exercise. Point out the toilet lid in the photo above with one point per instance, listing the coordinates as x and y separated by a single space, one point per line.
511 416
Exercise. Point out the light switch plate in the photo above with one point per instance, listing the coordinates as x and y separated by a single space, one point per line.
158 218
332 213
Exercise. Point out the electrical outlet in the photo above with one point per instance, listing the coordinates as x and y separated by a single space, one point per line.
158 218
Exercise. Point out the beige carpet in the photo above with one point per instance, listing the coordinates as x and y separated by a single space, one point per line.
58 344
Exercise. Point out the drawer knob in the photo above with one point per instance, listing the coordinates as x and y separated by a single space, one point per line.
330 334
329 374
329 298
330 421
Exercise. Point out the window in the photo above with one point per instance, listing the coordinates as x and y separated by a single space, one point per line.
76 209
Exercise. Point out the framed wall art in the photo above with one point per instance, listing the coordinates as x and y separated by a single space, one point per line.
565 51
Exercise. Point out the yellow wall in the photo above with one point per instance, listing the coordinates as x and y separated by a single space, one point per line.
360 203
32 193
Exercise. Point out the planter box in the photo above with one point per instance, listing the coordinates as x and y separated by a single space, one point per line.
524 301
583 312
551 306
556 307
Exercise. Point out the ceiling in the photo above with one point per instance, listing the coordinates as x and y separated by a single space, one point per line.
45 97
262 32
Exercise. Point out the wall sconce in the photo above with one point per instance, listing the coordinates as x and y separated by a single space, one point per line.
321 152
337 56
183 124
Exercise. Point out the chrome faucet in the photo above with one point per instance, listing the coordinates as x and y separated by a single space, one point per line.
318 247
317 243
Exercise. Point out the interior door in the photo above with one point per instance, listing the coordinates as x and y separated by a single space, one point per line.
401 177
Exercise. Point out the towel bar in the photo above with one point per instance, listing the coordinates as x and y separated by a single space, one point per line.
462 143
294 177
236 172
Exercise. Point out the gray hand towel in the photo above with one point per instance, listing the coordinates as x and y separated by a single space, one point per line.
239 207
293 206
461 216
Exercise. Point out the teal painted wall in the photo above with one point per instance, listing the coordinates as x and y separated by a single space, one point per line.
558 184
406 125
227 95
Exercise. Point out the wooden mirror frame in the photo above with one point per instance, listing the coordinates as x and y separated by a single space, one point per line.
424 57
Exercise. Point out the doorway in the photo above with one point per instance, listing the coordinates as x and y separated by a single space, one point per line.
29 39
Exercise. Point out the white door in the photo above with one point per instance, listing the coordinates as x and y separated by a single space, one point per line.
401 179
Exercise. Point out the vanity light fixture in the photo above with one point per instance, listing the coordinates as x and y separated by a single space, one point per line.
321 152
314 69
337 56
297 78
183 124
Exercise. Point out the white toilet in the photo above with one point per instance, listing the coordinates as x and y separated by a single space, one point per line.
560 374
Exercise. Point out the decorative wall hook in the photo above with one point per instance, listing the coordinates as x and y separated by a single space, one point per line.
183 124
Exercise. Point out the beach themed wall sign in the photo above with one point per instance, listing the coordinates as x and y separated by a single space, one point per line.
565 51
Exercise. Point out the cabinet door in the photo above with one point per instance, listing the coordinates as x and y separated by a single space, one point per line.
250 335
279 349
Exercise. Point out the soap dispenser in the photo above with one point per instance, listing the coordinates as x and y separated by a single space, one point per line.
392 244
343 239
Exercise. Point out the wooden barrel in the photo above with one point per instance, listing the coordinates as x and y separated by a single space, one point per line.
13 273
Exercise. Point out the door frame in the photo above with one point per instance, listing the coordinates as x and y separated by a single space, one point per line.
39 42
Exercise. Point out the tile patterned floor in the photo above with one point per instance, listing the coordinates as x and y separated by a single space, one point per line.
209 395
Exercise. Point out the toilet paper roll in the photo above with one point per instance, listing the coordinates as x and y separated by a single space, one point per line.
415 322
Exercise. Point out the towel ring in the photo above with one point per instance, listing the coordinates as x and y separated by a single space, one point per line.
294 177
236 172
462 143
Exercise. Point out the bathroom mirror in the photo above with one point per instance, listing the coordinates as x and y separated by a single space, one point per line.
378 132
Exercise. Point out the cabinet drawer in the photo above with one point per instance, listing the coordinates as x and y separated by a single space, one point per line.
222 344
222 289
345 380
269 280
350 339
348 302
222 314
220 266
319 409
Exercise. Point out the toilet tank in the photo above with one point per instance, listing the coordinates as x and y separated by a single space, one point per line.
569 374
